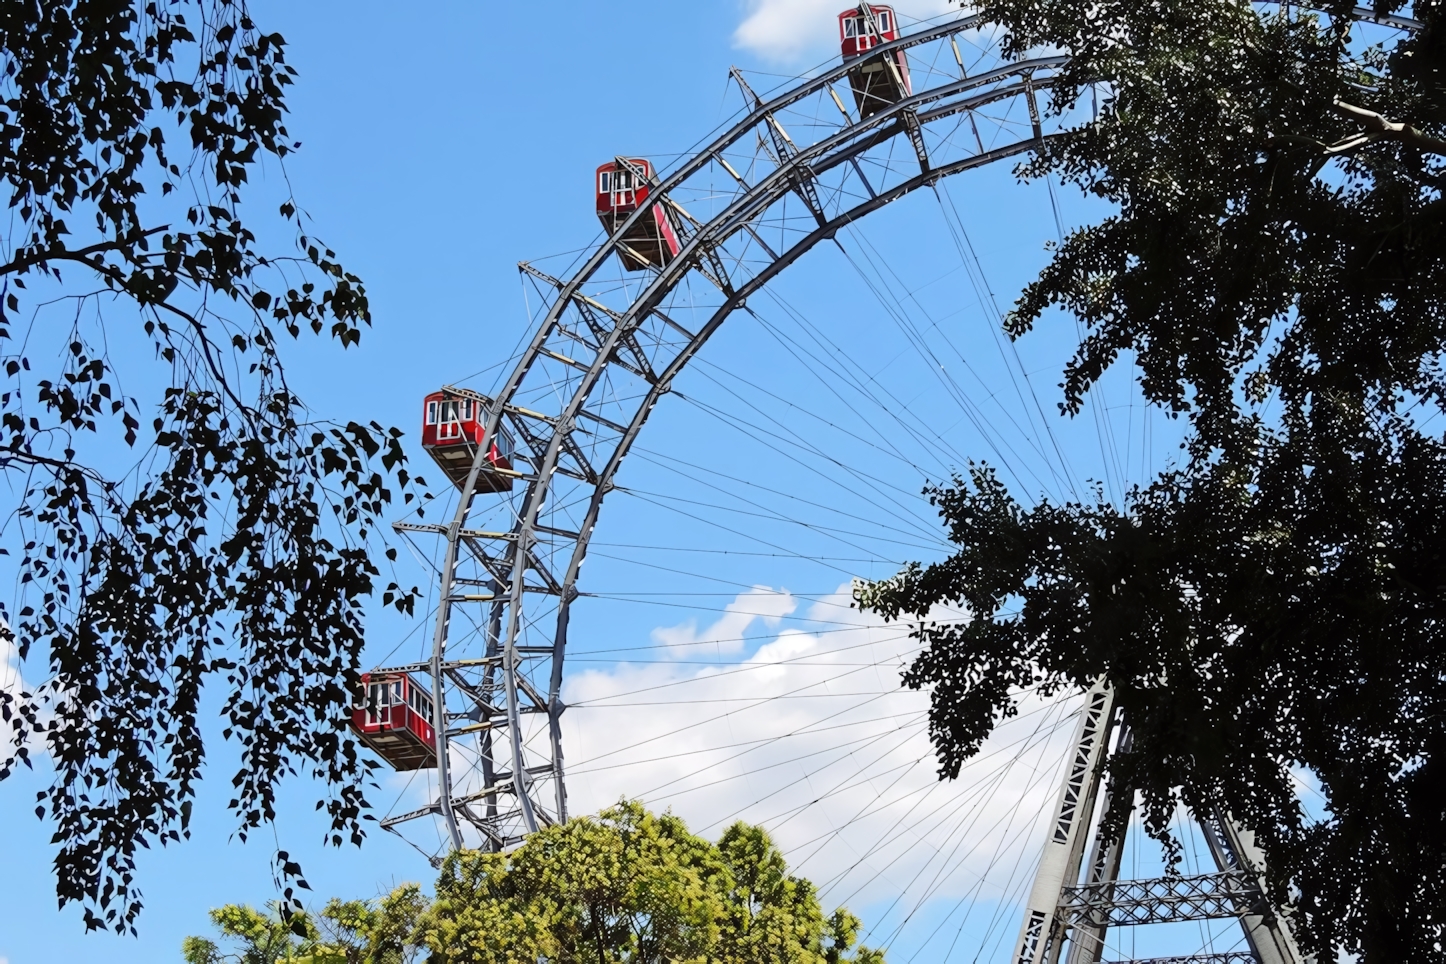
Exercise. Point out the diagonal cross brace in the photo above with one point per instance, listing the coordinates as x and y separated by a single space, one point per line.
803 184
912 127
669 207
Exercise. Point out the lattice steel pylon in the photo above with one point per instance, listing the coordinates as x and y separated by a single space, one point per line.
793 169
1074 901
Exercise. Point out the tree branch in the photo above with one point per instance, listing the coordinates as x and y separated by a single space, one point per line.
202 336
63 254
19 455
1378 127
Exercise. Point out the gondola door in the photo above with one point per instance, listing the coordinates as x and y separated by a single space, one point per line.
449 426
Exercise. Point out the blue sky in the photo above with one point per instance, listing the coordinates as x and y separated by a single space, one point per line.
444 142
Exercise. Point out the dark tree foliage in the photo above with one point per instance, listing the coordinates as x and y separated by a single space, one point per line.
232 543
1277 270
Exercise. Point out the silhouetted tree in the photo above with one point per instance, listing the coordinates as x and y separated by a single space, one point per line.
211 531
1275 267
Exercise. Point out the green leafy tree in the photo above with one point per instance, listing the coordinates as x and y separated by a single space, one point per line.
261 937
345 932
233 540
1275 268
771 916
371 932
631 886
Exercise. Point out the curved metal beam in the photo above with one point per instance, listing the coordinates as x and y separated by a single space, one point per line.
701 248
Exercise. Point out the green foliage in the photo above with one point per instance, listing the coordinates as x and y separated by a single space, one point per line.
626 887
261 937
238 547
1276 269
367 932
631 886
346 932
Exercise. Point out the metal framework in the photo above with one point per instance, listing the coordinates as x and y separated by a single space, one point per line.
1074 902
1232 957
795 169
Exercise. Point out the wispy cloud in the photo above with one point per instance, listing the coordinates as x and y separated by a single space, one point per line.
813 737
789 30
725 636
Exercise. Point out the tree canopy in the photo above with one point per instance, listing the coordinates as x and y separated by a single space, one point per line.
633 887
1269 610
625 887
213 529
345 932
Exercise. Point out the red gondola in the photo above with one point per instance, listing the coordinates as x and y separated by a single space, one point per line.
395 720
876 82
622 185
454 425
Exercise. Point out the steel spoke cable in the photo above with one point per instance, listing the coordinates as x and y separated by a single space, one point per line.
576 771
909 734
983 291
852 516
848 372
876 257
722 716
1042 733
858 382
736 776
892 450
738 532
1037 739
643 601
951 387
731 639
905 765
831 531
739 552
1007 818
748 667
872 694
901 317
880 264
733 420
1018 747
862 779
736 421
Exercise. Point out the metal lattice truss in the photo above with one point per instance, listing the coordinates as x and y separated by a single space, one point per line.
1231 957
795 169
1074 900
1161 900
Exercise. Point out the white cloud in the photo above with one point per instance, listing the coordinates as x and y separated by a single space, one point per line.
813 737
785 30
726 635
12 684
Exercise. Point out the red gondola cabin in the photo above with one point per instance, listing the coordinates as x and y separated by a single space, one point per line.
876 82
621 186
454 425
395 720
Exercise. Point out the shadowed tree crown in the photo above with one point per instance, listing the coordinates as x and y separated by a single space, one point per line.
179 517
1269 609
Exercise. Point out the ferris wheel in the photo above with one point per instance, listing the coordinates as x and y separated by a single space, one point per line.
689 246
